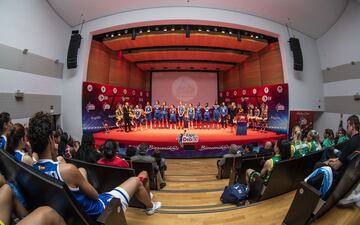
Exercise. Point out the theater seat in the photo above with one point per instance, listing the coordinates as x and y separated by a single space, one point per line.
249 163
154 176
105 178
40 189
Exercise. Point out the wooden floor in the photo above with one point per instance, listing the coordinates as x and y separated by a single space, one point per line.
192 196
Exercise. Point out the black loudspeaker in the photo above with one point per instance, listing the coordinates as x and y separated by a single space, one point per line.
73 50
296 49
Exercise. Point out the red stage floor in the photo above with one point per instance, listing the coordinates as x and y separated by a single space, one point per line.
166 138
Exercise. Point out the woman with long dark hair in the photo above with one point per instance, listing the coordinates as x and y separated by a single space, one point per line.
111 158
87 151
5 124
64 148
16 144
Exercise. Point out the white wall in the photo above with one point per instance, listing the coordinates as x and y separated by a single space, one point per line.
340 45
32 24
306 87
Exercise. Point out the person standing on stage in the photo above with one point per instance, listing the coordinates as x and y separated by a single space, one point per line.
232 114
157 113
257 117
148 116
138 112
164 116
119 116
172 116
216 116
198 115
126 111
223 114
250 113
207 115
181 112
191 113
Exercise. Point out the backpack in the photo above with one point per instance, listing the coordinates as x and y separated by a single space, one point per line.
234 193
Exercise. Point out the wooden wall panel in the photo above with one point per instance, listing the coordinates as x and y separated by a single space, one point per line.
105 67
271 65
99 63
250 75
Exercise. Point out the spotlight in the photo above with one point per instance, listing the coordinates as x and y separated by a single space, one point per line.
230 32
207 30
148 30
257 37
165 29
215 29
238 36
182 28
119 34
25 51
112 35
199 29
157 28
140 31
133 34
252 35
187 32
126 31
173 29
223 31
106 35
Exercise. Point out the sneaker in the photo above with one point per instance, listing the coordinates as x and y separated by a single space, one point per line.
156 207
352 198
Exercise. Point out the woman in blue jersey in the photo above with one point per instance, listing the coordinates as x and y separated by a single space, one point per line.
207 116
172 116
223 114
191 114
138 112
16 144
5 125
216 118
198 116
164 116
157 114
181 112
42 141
148 116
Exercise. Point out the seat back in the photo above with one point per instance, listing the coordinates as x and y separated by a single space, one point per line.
350 177
40 189
148 167
251 163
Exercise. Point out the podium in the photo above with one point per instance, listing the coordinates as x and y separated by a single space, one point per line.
241 124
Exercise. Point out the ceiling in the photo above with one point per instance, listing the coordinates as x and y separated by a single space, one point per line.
311 17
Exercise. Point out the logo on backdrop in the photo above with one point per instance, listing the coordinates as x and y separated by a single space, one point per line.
89 88
103 89
184 88
279 89
114 90
280 107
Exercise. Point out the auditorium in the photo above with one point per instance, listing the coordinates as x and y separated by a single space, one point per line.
179 112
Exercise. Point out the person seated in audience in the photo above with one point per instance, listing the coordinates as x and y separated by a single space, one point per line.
248 151
294 130
64 149
342 136
87 151
40 216
233 152
42 140
282 152
312 141
328 141
267 149
353 126
299 148
16 142
110 158
5 125
160 161
130 152
143 157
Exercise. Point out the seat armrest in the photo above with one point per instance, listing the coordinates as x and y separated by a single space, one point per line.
113 214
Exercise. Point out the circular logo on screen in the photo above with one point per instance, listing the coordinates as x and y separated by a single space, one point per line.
254 91
184 88
264 98
101 97
125 91
103 89
133 92
279 89
114 90
235 93
266 90
89 88
244 92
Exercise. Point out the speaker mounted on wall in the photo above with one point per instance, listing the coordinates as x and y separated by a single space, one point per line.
74 45
296 49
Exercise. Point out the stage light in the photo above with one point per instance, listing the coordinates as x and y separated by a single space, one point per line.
106 35
157 28
223 31
126 31
207 30
256 37
252 35
199 29
215 29
230 32
173 29
148 30
112 35
182 28
140 31
165 29
133 34
119 34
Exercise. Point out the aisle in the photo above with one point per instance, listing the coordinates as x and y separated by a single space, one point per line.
192 196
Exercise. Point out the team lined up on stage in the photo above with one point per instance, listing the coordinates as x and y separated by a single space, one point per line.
189 116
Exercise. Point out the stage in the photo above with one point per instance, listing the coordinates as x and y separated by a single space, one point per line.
210 143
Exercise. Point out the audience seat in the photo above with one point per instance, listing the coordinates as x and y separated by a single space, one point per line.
40 189
154 176
104 178
224 171
249 163
349 177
